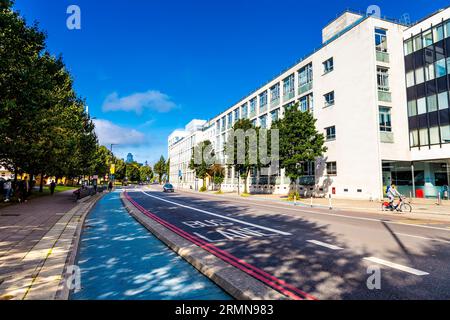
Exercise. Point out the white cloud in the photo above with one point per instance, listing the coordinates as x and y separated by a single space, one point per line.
108 132
137 102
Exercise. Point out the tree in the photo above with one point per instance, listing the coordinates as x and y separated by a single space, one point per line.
201 160
217 171
145 173
160 169
300 142
251 153
133 172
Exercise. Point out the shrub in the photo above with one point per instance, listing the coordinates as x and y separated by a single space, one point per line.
293 194
203 189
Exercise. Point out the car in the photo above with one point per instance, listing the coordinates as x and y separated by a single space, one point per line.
168 188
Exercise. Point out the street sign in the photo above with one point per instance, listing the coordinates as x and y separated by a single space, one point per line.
112 170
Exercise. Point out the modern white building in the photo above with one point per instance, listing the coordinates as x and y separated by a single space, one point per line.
355 85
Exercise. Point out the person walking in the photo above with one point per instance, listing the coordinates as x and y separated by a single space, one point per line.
7 186
110 186
52 187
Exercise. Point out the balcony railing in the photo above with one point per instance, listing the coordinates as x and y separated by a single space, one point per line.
263 108
382 56
274 103
288 96
305 88
252 114
384 96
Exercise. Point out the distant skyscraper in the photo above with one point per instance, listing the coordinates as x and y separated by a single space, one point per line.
130 158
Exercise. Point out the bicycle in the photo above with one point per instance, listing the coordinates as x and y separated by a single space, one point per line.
402 206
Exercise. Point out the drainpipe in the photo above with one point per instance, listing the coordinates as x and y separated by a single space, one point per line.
413 181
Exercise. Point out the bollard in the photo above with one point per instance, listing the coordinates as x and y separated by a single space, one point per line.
329 202
295 200
311 201
439 200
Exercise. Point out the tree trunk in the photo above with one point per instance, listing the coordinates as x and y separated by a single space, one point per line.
41 185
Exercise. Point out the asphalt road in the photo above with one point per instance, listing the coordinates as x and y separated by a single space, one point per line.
326 254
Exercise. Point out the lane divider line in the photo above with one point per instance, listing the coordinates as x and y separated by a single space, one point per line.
271 281
396 266
323 244
220 216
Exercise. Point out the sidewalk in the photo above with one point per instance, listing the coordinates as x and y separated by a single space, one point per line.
35 241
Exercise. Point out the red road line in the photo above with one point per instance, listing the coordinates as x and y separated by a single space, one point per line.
243 266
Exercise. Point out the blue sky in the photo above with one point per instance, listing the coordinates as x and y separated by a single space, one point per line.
147 67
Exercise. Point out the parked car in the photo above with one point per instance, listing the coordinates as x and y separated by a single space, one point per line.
168 188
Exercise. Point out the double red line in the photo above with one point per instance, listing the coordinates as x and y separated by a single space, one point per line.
275 283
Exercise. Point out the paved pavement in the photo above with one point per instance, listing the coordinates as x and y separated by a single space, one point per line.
119 259
35 240
327 254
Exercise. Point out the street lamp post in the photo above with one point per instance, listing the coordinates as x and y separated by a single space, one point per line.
114 162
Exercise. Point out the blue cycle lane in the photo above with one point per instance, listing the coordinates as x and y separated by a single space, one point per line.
121 260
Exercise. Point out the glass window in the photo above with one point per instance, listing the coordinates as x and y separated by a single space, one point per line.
244 111
263 122
441 68
410 81
443 100
432 103
329 99
253 106
275 92
420 76
331 168
288 85
445 134
305 75
438 33
263 99
237 115
412 108
447 29
434 135
417 43
427 39
328 65
385 119
448 65
275 115
421 106
230 119
330 133
380 40
423 135
414 138
409 48
429 72
383 78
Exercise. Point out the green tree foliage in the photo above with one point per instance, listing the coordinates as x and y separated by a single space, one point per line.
145 173
217 172
160 169
300 142
200 162
133 172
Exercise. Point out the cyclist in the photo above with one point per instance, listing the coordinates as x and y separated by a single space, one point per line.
392 193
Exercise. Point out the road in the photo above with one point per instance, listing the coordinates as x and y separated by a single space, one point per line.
313 253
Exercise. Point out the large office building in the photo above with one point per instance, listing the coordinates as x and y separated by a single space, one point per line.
379 91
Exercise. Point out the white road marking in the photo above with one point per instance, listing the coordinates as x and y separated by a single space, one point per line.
220 216
323 244
397 266
423 238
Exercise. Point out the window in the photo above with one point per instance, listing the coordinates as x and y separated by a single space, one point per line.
414 136
252 107
410 81
443 100
420 76
244 111
328 66
438 33
383 79
331 168
434 135
429 72
409 47
305 103
237 115
274 115
423 136
432 103
385 119
330 133
288 85
445 134
329 99
412 108
380 40
263 100
230 119
305 75
448 65
223 123
418 43
447 29
441 68
421 106
263 122
427 39
275 92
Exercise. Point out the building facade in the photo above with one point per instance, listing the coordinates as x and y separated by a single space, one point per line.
358 85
